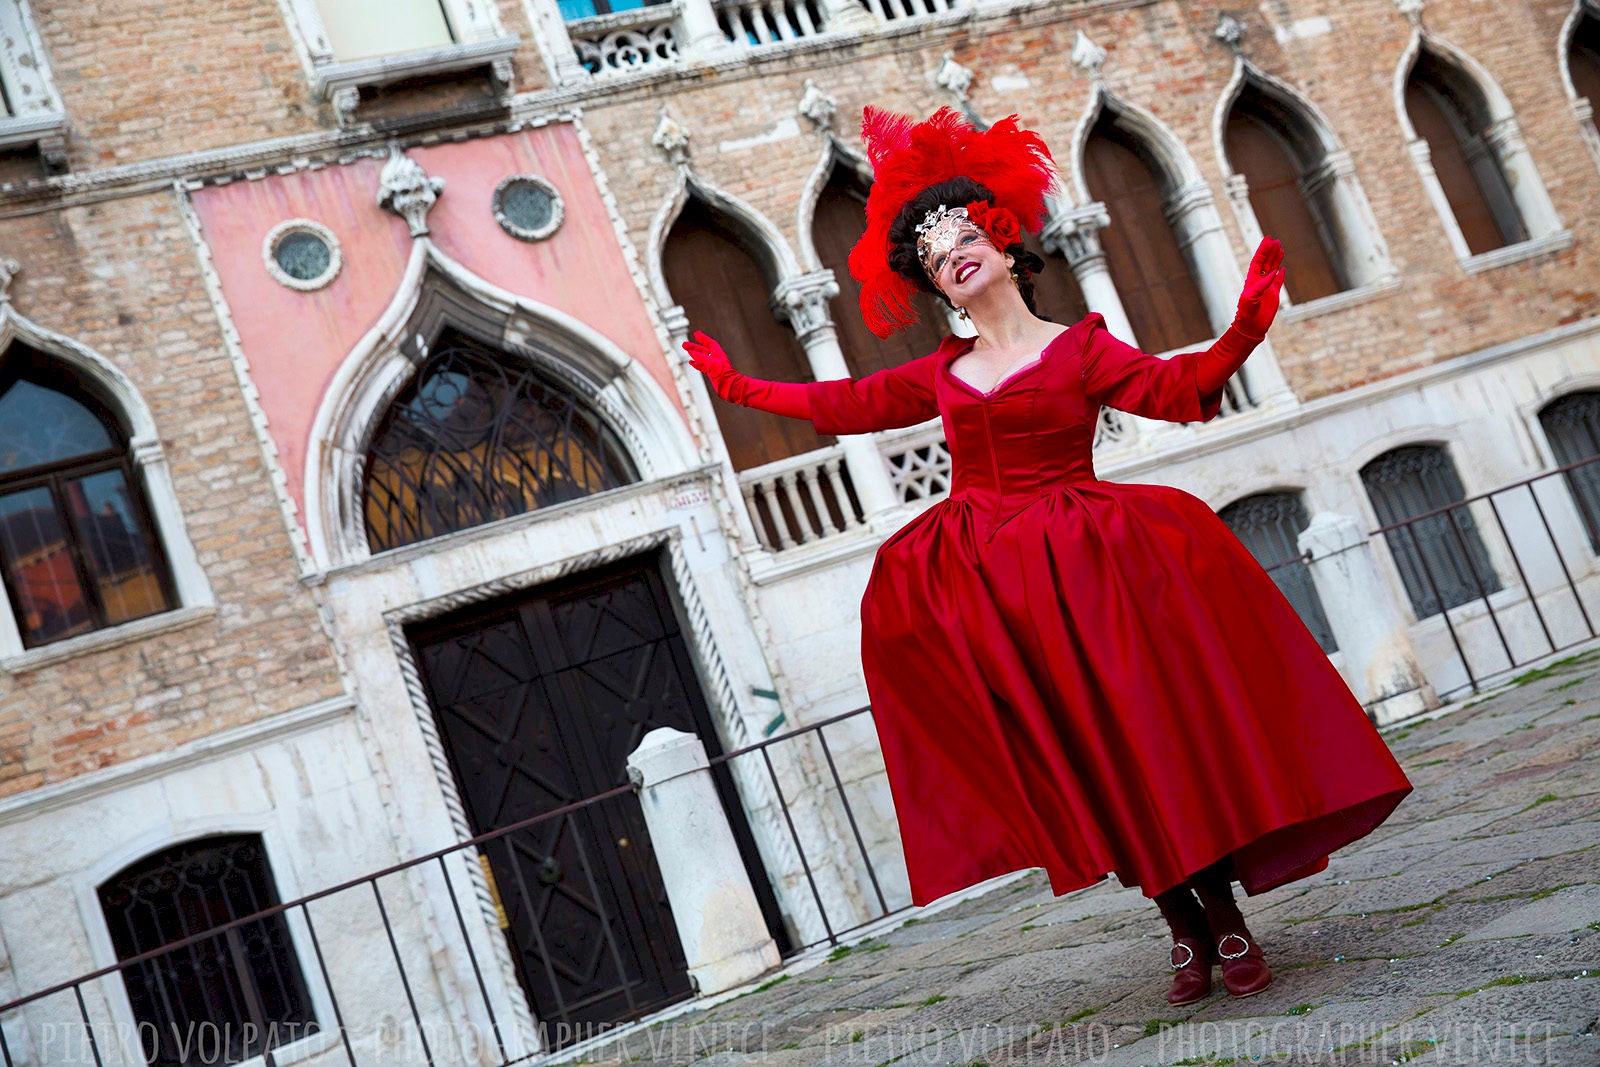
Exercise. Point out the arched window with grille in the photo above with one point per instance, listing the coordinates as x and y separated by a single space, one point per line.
1300 186
78 547
481 435
1572 426
1153 277
715 272
1451 112
1269 525
1441 557
836 225
241 990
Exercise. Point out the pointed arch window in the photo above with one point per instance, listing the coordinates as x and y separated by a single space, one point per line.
78 548
723 281
1441 557
1269 525
1572 426
1292 180
836 225
1153 276
1450 112
242 988
1582 59
478 436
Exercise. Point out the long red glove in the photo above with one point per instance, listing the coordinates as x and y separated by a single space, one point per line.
1258 305
780 398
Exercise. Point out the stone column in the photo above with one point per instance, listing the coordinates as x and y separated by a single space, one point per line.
846 16
725 939
560 57
803 301
702 36
1074 234
1379 659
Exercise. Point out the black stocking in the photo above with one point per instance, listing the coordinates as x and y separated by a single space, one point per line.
1183 913
1214 886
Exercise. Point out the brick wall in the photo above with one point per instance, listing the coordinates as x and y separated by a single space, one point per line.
122 278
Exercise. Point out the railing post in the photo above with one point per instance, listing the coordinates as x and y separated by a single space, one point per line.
561 58
703 37
1380 661
803 301
724 937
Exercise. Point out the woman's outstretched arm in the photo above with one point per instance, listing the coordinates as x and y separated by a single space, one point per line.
1188 386
897 396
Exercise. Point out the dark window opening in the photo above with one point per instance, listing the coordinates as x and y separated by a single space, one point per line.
1269 525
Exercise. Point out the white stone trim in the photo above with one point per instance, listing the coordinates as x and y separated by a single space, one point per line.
1532 248
149 464
269 254
1504 139
558 208
1333 302
39 117
375 371
108 638
835 153
1582 107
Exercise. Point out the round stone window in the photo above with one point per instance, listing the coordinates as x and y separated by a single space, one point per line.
527 207
302 254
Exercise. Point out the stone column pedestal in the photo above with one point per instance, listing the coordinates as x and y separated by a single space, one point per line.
1380 660
724 936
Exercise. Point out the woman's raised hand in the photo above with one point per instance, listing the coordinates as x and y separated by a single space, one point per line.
707 357
780 398
1258 304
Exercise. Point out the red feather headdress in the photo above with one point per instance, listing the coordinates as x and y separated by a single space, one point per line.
909 156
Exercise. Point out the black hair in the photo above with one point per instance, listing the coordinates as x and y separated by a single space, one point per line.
905 260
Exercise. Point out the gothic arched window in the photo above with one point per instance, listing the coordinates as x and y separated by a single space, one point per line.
1290 185
1269 525
836 225
77 546
1441 558
235 993
715 273
1449 111
1572 426
1158 290
1583 59
477 436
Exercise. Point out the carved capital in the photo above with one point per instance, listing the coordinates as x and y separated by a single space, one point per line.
803 301
405 189
817 106
672 139
1075 234
1087 56
345 100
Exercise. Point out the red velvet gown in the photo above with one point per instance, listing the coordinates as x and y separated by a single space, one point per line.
1089 676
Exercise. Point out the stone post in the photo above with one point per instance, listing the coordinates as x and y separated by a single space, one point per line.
803 301
1379 659
724 937
702 36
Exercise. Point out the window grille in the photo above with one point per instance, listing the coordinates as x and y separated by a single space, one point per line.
1269 525
237 993
1572 426
1441 558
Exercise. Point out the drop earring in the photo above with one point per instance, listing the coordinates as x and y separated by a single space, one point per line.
961 313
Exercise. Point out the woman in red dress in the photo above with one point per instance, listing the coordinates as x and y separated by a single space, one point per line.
1067 673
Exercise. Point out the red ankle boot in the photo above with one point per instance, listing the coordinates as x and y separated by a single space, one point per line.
1244 965
1192 960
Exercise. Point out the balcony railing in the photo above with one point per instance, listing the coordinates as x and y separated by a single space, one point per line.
753 23
626 41
801 499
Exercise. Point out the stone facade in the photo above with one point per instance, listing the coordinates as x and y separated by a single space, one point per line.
280 697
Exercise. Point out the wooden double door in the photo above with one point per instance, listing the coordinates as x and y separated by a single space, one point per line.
538 704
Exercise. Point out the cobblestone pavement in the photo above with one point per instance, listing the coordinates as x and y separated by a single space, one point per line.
1465 930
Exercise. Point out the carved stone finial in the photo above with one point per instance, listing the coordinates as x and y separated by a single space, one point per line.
9 267
345 100
1230 31
672 139
1088 56
1411 9
953 78
817 106
405 189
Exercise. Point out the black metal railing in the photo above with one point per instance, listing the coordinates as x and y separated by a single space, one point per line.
568 1030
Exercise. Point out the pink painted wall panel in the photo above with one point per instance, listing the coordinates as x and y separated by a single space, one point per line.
295 341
